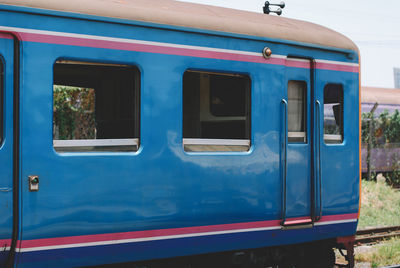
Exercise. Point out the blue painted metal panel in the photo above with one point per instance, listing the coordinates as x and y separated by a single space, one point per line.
6 149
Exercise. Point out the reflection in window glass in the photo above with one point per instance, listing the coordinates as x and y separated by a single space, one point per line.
333 113
95 107
74 113
297 92
216 112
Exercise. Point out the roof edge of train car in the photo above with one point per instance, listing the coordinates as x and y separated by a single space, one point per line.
201 17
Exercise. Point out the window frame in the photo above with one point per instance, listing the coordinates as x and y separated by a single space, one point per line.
220 145
103 145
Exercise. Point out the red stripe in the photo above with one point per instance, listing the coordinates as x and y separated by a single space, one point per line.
162 232
75 41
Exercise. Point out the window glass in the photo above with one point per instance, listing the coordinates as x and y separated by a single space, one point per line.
216 112
297 92
333 113
95 107
227 95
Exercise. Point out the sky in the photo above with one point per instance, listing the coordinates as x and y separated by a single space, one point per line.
373 25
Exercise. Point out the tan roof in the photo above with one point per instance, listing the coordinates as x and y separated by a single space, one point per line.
380 95
200 17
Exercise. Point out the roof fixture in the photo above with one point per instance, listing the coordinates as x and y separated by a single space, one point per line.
267 9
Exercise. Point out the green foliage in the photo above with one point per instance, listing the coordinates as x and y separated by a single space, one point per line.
385 123
393 178
73 114
386 128
385 133
393 129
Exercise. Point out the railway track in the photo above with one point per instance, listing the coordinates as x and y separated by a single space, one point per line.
374 235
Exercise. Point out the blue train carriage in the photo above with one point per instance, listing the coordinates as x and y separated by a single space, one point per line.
140 130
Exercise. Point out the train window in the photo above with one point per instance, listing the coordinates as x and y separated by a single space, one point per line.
216 112
297 92
333 113
95 107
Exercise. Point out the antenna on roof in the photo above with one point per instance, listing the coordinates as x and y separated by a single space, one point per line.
267 9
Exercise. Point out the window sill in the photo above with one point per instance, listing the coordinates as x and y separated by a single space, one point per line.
216 145
99 145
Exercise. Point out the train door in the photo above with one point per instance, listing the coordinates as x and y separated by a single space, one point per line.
6 144
297 143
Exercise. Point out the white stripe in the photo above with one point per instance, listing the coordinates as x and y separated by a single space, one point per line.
335 222
151 43
124 40
338 62
135 240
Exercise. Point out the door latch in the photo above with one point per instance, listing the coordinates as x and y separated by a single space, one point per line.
33 183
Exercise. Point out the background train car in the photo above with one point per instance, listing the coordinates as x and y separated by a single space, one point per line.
195 130
385 151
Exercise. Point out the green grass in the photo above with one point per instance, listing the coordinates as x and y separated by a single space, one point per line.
380 205
387 253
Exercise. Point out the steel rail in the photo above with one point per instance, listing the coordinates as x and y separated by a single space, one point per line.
373 235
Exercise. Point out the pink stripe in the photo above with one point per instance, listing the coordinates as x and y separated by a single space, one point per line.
340 217
5 243
298 218
62 40
74 41
145 234
297 64
337 67
5 36
163 232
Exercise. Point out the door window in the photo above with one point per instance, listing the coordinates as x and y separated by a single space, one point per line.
297 111
333 113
